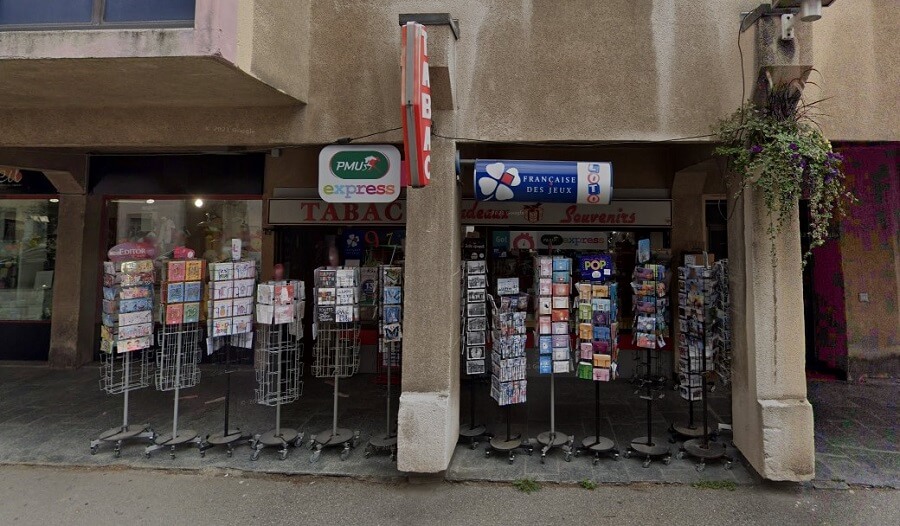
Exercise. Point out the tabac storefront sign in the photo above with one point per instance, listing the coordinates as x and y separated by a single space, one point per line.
359 174
543 181
415 102
624 214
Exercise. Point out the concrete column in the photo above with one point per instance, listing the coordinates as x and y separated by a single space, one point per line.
428 420
773 421
75 283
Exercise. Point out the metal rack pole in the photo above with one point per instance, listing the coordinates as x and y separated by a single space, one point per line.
649 401
597 412
334 423
177 381
278 393
388 430
127 390
552 407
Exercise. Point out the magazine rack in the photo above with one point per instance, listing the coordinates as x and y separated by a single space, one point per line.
230 436
473 310
121 373
177 368
390 316
278 371
649 290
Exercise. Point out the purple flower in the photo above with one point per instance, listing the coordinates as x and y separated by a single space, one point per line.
795 156
755 148
793 146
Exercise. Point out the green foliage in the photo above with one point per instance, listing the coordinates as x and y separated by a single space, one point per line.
715 484
781 152
526 485
588 484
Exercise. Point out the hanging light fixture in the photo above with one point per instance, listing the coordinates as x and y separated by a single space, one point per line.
810 10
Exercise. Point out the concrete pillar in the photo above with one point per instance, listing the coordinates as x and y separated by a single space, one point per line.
428 420
75 284
773 421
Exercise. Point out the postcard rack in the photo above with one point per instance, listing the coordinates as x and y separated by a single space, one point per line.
177 368
650 329
278 371
473 340
554 340
336 350
508 364
121 373
228 356
390 322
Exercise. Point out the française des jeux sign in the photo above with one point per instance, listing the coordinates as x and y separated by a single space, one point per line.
415 101
543 181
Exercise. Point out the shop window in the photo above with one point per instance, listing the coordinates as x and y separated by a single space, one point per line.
27 258
75 14
142 10
203 225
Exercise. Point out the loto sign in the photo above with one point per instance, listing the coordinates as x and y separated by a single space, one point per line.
415 100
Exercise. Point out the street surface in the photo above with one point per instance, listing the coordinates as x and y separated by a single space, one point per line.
120 496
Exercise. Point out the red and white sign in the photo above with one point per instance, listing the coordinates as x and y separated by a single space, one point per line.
648 213
415 100
130 251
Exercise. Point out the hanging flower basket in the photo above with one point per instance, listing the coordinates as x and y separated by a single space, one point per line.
778 150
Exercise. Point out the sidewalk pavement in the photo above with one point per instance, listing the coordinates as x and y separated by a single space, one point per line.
50 417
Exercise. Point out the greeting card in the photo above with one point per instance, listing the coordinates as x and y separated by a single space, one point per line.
584 371
221 271
392 333
600 347
135 305
129 293
174 313
345 277
221 327
326 278
545 286
392 314
345 296
134 318
561 366
265 294
222 309
244 270
546 267
135 344
325 313
220 290
560 354
175 271
586 350
393 295
585 331
560 277
560 289
174 292
559 315
265 313
193 291
602 360
601 375
191 312
600 291
344 314
545 344
560 327
135 331
560 302
544 305
324 296
241 324
584 311
243 288
193 270
242 307
544 325
283 314
545 365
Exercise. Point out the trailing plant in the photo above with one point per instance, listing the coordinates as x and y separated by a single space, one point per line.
778 149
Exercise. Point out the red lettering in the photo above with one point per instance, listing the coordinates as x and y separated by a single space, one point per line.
310 208
631 218
393 212
351 212
330 213
570 211
372 214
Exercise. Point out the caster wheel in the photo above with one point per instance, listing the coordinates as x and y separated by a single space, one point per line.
667 460
616 457
487 452
543 459
298 442
314 457
147 455
728 465
203 454
595 461
93 450
671 440
312 445
172 456
283 455
679 455
628 454
646 463
700 467
345 454
367 454
512 458
473 445
393 457
530 452
230 453
255 455
568 457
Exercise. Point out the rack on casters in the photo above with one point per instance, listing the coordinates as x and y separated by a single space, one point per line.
649 447
596 444
278 372
230 436
552 439
389 342
472 432
120 373
510 444
177 368
337 356
387 441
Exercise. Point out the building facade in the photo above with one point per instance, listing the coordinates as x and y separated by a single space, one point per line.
108 108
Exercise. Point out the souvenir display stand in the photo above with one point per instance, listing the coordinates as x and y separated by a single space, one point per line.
508 363
598 351
126 335
278 349
177 368
474 322
390 320
694 339
722 323
336 351
554 287
697 321
650 329
229 315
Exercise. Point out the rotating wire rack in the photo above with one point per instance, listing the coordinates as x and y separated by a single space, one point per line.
177 368
278 371
121 373
335 356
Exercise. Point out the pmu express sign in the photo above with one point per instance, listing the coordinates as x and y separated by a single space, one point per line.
359 174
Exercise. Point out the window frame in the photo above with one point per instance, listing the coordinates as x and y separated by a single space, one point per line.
97 22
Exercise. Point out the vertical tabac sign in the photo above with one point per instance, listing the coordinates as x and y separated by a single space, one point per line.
416 103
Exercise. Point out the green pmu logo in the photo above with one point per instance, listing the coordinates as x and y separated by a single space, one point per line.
359 164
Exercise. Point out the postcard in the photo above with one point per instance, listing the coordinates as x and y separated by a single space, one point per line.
601 374
326 278
135 344
475 352
134 318
602 360
507 286
600 347
584 311
175 271
221 327
561 289
345 314
324 296
476 282
130 293
265 313
242 307
560 366
193 291
476 267
559 315
545 267
545 305
244 288
475 337
174 313
220 290
283 314
392 276
241 324
221 271
135 305
544 325
545 286
476 324
476 309
174 292
191 313
545 344
345 296
265 294
391 332
244 270
560 341
560 277
222 309
475 367
475 296
392 295
325 313
392 314
193 270
560 327
346 277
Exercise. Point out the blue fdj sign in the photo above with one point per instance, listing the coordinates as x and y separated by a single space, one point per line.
543 181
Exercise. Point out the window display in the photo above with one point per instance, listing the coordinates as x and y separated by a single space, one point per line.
27 258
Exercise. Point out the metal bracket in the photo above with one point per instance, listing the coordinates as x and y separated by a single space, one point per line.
432 19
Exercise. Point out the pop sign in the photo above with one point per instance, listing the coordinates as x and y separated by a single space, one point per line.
544 181
595 267
359 174
415 101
